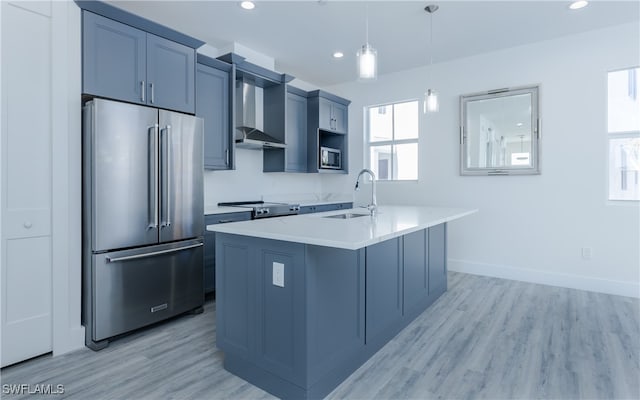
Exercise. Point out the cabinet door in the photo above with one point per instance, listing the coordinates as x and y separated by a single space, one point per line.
325 118
437 257
210 244
383 291
113 59
296 131
416 271
340 117
212 104
170 74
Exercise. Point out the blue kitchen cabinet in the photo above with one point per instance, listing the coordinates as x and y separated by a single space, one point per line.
113 59
213 95
122 62
384 295
293 158
170 74
327 126
416 272
333 115
210 245
324 207
437 259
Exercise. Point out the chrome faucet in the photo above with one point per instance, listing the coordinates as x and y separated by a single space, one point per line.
373 207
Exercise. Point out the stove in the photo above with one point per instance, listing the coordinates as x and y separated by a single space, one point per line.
261 209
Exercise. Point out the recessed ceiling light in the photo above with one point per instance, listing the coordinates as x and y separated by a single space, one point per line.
576 5
338 54
248 5
519 124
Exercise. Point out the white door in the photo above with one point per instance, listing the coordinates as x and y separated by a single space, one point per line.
25 177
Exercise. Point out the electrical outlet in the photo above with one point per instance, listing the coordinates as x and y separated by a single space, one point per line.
586 253
278 274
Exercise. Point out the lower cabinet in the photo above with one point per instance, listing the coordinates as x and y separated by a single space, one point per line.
384 290
210 245
297 319
325 207
403 277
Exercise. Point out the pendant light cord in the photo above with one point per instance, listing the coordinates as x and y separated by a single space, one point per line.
366 22
430 40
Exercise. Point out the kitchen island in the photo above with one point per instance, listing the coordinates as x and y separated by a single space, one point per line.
303 301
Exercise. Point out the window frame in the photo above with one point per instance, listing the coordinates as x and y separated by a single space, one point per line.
368 144
609 136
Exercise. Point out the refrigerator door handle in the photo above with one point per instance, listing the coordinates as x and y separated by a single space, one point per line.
152 254
153 178
165 220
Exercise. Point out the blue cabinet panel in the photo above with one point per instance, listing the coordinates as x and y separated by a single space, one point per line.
296 133
383 290
416 272
124 63
170 74
336 304
437 258
212 104
210 245
280 347
113 59
324 207
235 308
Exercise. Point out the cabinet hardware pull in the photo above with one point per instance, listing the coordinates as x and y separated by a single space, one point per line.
152 93
143 88
226 155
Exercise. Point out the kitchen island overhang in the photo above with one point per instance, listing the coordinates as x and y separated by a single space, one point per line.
303 301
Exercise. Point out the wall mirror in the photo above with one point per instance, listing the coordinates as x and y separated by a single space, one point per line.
499 132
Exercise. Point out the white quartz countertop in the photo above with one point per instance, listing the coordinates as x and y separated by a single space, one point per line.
351 234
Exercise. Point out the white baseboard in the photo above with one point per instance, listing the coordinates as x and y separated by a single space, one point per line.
620 288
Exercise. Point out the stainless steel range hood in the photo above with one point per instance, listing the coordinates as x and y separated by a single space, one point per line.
248 135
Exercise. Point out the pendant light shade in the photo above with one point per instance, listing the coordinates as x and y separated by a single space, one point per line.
367 63
367 55
431 103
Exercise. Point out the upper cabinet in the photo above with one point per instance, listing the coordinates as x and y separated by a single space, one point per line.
292 158
214 96
327 127
333 115
122 62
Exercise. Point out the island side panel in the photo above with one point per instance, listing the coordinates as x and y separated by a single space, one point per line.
416 273
335 315
235 296
261 326
437 260
384 288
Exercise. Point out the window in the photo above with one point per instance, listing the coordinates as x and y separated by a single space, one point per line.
392 140
624 134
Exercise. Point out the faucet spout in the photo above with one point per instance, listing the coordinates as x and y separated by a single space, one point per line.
373 206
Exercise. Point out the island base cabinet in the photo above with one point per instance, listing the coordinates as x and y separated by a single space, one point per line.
297 319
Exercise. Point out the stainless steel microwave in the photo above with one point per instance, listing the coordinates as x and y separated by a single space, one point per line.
330 158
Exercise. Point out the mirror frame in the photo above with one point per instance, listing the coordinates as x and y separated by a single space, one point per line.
534 168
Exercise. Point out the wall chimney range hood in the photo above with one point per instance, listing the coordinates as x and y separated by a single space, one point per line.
260 120
248 133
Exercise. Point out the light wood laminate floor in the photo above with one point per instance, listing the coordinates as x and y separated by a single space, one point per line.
485 338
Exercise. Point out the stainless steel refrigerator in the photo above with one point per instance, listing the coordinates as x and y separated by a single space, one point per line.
143 217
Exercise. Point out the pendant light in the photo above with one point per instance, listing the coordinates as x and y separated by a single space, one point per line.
430 96
367 56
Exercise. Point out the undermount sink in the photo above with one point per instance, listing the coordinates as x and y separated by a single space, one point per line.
346 216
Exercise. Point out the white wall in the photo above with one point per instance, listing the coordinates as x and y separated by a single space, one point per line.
529 228
248 182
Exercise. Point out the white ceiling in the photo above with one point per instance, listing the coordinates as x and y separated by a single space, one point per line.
302 35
